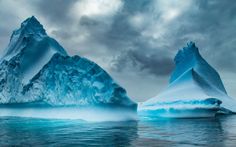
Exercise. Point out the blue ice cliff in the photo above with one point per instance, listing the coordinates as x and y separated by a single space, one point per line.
195 90
35 69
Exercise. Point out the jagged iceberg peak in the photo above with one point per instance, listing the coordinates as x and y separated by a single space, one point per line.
185 59
192 82
188 53
31 48
31 26
189 58
31 33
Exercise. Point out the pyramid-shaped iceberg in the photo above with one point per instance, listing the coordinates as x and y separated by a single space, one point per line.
36 71
195 90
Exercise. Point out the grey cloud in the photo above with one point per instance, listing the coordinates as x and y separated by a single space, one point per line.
156 64
89 22
62 34
126 42
214 21
211 24
57 14
55 10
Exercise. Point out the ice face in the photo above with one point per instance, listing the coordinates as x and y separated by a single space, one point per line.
31 48
30 28
193 80
190 58
36 70
74 80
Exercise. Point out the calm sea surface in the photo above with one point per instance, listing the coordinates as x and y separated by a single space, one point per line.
219 131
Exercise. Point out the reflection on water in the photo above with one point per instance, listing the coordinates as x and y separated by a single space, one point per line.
220 131
24 131
195 132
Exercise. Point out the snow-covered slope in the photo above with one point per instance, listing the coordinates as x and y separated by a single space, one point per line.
36 70
192 81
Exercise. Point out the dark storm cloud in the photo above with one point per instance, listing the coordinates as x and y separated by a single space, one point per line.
144 62
122 34
127 43
86 21
211 24
55 10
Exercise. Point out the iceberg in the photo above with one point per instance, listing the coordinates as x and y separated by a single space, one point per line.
195 90
37 72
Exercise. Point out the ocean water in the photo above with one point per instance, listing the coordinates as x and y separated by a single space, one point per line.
219 131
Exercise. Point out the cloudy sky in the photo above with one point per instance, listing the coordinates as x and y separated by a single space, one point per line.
134 40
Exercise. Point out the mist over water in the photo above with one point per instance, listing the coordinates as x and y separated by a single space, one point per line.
219 131
89 114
